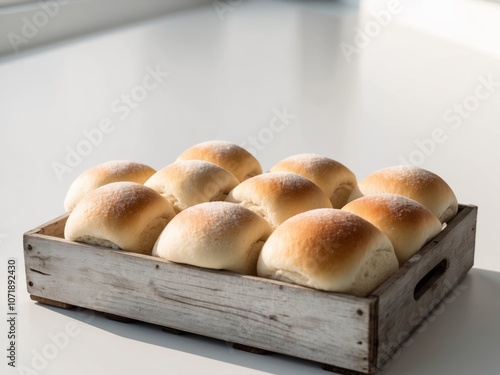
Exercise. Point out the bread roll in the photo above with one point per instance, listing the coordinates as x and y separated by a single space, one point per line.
105 173
217 235
336 180
277 196
328 249
120 215
407 223
228 155
415 183
189 182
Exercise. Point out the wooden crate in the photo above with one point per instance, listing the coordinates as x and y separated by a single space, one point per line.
344 333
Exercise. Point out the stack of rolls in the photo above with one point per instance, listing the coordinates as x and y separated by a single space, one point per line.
307 221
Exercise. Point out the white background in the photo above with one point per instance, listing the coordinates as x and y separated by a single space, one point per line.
229 73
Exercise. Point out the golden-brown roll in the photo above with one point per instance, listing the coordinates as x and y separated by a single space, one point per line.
216 235
105 173
277 196
407 223
421 185
336 180
230 156
328 249
189 182
120 215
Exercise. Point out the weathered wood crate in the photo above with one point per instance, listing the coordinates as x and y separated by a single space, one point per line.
344 333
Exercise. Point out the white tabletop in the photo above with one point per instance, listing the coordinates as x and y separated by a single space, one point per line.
416 90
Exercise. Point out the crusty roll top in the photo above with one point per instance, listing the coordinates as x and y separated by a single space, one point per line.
335 179
277 196
415 183
105 173
120 215
228 155
328 249
189 182
407 223
217 235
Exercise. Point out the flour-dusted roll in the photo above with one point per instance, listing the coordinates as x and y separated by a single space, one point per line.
407 223
216 235
277 196
120 215
105 173
421 185
230 156
189 182
336 180
328 249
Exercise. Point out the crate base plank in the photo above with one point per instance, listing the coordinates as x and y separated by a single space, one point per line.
51 302
339 370
250 349
344 333
119 318
173 331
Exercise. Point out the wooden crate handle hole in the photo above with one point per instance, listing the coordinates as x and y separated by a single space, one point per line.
430 279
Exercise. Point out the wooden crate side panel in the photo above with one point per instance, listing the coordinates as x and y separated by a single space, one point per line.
323 327
399 312
53 228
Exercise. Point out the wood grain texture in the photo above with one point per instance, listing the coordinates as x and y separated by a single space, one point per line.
345 333
324 327
53 228
400 311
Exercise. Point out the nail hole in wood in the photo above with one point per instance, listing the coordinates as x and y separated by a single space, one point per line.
30 247
157 266
30 283
359 312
